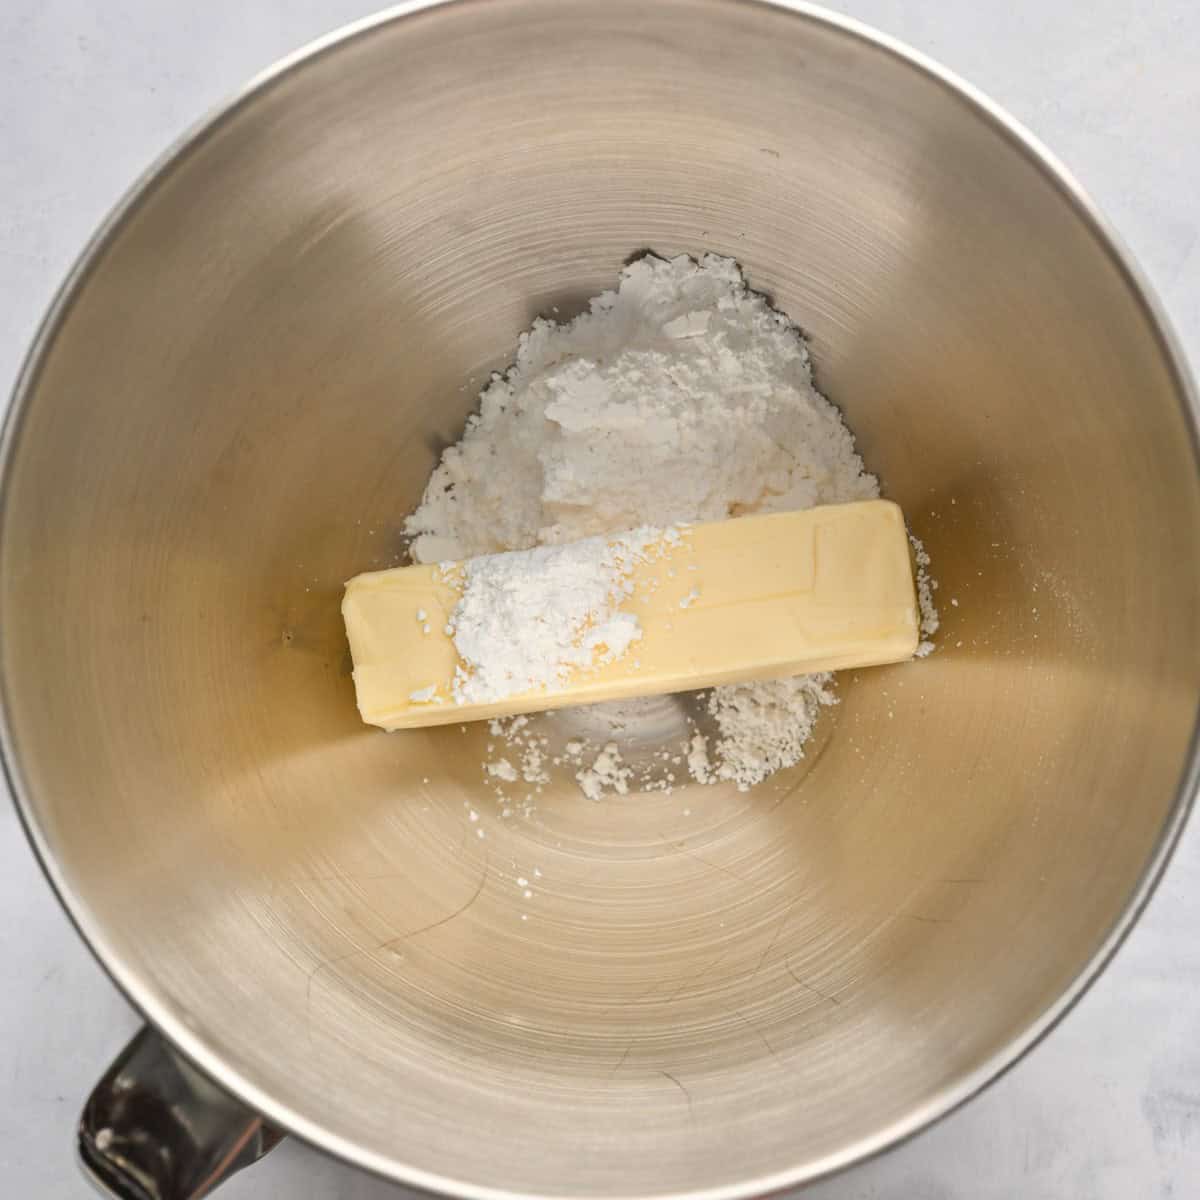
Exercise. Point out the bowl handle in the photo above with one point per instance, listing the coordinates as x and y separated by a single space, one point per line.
154 1128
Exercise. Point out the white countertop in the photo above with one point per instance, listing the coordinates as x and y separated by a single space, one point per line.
1108 1108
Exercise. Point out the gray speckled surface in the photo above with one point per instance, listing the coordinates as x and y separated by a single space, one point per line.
1108 1108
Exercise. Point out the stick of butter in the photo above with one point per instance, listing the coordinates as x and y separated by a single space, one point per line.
647 613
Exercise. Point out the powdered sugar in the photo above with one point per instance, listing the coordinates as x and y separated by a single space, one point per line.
682 396
926 586
764 726
526 620
697 758
626 418
608 773
501 768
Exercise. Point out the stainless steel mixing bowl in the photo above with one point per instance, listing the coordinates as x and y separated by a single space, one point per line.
241 392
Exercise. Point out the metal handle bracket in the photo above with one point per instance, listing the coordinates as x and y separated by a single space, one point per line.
155 1128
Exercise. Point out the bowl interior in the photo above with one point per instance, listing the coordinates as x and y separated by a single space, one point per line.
243 396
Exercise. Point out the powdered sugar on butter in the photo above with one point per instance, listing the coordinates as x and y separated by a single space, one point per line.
681 396
530 619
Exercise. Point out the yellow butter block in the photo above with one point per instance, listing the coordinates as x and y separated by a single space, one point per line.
759 597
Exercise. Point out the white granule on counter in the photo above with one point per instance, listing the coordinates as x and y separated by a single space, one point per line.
682 396
526 620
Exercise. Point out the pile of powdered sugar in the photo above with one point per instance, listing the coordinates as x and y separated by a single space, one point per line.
681 396
528 618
